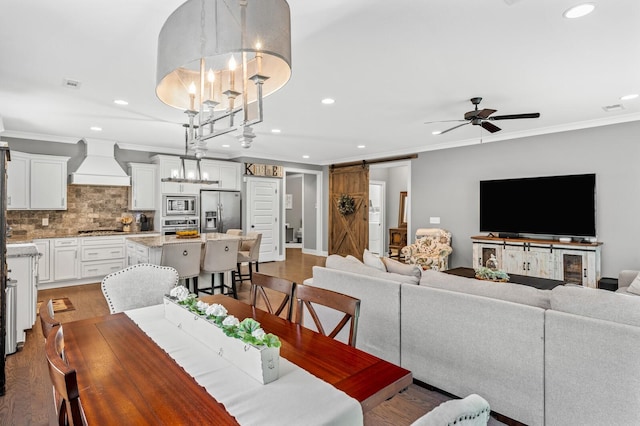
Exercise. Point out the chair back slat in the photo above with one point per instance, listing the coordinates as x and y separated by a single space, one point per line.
47 321
64 381
281 285
308 296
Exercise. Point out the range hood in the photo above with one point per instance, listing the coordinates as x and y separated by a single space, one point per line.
99 166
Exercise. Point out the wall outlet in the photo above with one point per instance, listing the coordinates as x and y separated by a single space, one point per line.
45 221
434 220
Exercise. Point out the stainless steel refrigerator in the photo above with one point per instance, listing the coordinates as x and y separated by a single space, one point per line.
220 211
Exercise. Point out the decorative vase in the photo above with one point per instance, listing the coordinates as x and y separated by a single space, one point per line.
492 263
126 228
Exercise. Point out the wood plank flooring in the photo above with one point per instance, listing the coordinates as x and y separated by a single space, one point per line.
28 399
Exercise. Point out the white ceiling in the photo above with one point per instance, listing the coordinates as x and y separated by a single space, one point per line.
391 65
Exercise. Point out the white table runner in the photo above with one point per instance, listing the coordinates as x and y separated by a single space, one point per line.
297 397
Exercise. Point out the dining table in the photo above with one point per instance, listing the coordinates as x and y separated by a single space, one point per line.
129 372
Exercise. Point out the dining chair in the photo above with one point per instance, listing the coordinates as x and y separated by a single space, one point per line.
219 258
63 379
47 322
138 286
310 297
249 253
472 410
185 258
260 282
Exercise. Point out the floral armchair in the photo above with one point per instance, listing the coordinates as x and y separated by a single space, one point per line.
431 249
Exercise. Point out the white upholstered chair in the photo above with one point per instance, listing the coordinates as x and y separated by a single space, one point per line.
184 257
138 286
473 410
249 253
220 257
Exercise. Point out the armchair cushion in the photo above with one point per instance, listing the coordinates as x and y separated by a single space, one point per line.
431 250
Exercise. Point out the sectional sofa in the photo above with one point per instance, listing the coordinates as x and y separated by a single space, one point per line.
540 357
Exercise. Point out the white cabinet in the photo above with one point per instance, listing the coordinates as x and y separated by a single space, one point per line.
65 259
140 253
171 167
48 183
37 182
18 181
142 194
44 263
227 173
100 256
22 261
576 263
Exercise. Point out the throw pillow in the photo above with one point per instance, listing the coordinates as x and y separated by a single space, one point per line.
402 268
634 287
353 258
372 260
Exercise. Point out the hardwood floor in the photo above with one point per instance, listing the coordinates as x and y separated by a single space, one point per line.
28 398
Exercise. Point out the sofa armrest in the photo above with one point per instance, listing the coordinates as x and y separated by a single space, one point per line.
626 277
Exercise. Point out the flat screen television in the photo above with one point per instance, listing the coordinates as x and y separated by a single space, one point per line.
548 205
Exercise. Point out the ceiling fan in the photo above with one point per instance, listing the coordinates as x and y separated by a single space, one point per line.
483 118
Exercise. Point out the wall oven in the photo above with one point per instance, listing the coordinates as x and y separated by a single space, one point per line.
180 205
170 225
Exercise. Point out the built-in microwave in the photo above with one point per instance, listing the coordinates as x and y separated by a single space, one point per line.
180 205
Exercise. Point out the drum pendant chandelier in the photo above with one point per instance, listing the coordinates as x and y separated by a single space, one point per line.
217 59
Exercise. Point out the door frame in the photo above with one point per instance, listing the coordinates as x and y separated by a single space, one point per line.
400 163
278 215
319 210
383 214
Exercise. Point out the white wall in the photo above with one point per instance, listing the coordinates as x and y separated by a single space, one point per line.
446 184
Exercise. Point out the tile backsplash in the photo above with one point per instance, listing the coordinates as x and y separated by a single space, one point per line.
88 207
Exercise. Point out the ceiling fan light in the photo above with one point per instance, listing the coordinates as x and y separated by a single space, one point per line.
578 11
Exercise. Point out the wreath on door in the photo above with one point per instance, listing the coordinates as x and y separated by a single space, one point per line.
346 205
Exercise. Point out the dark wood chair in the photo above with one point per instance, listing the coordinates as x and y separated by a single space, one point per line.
47 322
308 296
281 285
63 378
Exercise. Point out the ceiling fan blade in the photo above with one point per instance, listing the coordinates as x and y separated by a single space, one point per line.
515 116
490 127
453 128
443 121
484 113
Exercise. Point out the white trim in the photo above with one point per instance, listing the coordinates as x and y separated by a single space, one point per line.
319 209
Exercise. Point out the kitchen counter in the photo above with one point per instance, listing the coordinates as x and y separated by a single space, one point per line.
160 240
21 250
17 239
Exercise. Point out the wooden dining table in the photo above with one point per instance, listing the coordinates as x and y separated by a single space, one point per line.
124 377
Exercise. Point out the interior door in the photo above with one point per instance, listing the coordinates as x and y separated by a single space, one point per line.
263 212
376 217
349 233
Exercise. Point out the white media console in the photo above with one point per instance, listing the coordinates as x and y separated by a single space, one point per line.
576 263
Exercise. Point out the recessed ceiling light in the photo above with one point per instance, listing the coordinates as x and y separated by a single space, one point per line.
328 101
225 146
628 97
361 146
96 128
578 11
436 132
613 108
305 156
120 102
275 130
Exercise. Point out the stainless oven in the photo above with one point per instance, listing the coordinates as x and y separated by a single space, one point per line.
172 224
180 205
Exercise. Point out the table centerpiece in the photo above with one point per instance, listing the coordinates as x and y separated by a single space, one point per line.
242 343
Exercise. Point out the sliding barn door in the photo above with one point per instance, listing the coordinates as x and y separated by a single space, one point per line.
349 233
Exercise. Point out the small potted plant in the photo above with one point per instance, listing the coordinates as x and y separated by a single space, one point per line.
126 221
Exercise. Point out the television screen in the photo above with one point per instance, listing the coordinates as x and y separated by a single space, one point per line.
550 205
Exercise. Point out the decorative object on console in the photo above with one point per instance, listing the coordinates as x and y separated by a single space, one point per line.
198 47
492 263
431 249
346 205
489 274
126 221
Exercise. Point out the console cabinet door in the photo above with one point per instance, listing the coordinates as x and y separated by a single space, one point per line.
577 267
482 252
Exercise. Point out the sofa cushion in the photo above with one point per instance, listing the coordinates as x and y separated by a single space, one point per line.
510 292
372 260
596 303
402 268
635 286
338 262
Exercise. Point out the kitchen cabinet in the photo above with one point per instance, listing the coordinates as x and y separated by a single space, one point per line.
22 262
36 182
140 253
65 259
100 256
171 167
576 263
142 194
227 173
18 181
44 263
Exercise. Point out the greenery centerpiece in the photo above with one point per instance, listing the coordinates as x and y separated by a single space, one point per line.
484 273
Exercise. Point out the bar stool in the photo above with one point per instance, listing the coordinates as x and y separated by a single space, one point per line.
249 253
220 257
184 258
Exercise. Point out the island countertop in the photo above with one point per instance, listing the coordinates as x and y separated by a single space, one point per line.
160 240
